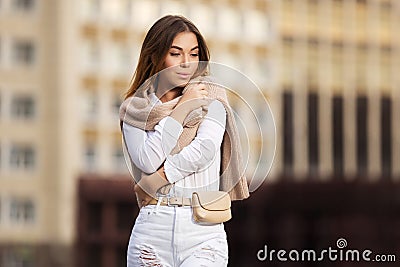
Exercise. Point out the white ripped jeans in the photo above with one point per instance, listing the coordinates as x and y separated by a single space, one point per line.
168 236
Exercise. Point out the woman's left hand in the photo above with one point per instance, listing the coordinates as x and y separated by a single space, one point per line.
142 197
148 186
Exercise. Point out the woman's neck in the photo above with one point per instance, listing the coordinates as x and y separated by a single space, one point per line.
168 95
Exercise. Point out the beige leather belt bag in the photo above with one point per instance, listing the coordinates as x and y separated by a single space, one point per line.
211 206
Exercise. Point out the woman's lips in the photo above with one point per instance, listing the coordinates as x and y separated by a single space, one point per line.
184 75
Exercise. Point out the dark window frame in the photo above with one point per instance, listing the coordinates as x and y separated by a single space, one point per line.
386 136
313 132
288 128
362 134
338 135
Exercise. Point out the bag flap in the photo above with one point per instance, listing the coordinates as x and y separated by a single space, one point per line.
212 200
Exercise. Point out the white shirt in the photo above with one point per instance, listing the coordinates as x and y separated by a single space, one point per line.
197 166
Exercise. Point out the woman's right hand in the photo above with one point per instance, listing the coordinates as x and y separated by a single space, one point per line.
194 97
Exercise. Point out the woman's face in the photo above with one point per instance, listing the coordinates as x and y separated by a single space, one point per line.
181 60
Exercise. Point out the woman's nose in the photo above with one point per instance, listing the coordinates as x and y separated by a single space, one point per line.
185 61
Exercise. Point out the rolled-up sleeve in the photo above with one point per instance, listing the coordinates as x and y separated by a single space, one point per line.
148 149
202 150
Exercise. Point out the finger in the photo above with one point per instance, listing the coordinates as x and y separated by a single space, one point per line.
204 102
203 86
192 84
200 86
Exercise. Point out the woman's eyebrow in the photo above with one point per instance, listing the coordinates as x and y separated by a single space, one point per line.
181 49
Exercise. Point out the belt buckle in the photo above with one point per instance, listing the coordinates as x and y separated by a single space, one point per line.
172 204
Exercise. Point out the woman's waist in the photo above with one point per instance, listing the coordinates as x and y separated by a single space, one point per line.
180 196
187 190
172 201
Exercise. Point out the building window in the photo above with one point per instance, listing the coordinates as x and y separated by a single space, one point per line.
23 107
121 58
95 215
90 158
22 157
337 128
386 136
117 101
122 223
288 40
362 136
313 140
94 53
90 105
23 5
93 252
288 154
17 257
120 255
119 159
23 52
22 211
91 55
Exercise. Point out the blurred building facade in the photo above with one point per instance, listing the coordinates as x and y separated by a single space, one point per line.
335 66
327 67
31 189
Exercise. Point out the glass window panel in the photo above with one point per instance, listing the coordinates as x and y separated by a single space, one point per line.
23 52
23 5
22 211
22 157
23 107
90 157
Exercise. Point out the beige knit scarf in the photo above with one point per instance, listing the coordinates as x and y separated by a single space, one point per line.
139 112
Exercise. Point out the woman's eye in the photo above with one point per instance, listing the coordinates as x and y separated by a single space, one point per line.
174 54
194 55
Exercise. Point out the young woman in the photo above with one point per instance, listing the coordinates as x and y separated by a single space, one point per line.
180 135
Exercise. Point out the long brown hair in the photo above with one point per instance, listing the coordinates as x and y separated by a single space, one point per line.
156 45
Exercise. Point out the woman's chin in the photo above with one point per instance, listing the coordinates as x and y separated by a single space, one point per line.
181 82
